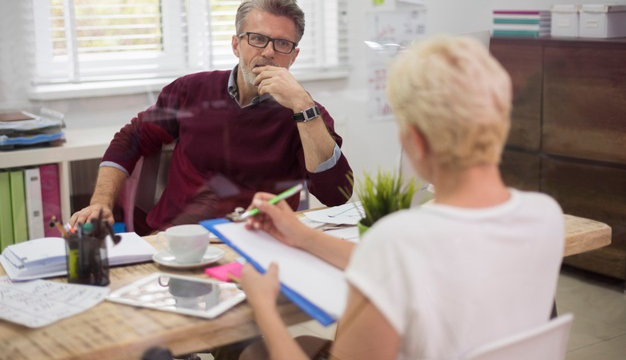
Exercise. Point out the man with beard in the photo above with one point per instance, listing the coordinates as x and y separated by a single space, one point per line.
251 129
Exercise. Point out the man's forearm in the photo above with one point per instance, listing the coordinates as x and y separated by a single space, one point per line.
317 143
108 185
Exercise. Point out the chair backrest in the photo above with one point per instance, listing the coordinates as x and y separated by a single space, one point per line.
546 342
144 186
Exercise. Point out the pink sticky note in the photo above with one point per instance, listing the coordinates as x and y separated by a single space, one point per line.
221 272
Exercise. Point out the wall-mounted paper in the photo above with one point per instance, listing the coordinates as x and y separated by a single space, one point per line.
389 32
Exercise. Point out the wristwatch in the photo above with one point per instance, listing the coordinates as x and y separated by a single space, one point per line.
307 115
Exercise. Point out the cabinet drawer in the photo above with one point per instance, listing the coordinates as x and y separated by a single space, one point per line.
524 64
594 191
520 169
585 102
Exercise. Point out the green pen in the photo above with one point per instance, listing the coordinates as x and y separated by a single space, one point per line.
282 196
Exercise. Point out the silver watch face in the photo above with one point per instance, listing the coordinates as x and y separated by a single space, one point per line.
309 113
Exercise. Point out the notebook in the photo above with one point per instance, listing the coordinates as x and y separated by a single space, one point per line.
42 258
314 285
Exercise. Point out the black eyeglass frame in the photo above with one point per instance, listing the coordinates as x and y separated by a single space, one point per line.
269 39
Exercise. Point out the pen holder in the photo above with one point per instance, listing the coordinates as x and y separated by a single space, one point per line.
87 261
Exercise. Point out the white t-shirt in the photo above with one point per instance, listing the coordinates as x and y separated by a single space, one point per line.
450 279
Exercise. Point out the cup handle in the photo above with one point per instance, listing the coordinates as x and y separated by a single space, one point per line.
162 243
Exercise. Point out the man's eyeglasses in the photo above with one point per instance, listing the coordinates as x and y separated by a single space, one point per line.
260 41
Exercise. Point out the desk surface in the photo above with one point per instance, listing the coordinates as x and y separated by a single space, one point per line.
116 331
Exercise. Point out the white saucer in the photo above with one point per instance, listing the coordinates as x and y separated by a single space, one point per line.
165 258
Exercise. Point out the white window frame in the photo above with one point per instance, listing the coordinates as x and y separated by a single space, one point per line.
76 68
56 77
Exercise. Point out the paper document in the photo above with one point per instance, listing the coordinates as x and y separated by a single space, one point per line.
39 303
310 282
347 214
350 233
40 258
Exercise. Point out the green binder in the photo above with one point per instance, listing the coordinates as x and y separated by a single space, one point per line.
6 214
18 204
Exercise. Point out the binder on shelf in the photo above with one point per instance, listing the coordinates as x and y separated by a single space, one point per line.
6 215
521 23
50 196
318 288
18 206
34 205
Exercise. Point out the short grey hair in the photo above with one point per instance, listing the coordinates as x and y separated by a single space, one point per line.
286 8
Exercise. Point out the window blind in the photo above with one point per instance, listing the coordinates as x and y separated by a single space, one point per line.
94 40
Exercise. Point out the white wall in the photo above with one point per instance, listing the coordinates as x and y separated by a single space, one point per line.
367 145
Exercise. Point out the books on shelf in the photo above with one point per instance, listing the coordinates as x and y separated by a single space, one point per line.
50 196
34 204
521 23
29 198
18 206
6 215
41 258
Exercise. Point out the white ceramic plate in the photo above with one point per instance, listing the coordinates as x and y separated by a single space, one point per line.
211 255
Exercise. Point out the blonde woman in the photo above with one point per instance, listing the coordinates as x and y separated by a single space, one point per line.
479 263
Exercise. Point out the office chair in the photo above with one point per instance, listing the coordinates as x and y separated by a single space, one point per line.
144 187
545 342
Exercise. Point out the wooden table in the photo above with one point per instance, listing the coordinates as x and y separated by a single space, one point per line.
582 235
115 331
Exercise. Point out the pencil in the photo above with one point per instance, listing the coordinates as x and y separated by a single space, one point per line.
282 196
232 278
54 222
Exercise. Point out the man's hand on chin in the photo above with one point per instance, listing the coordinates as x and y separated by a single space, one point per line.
284 88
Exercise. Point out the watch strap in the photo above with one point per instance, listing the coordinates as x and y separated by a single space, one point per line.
307 114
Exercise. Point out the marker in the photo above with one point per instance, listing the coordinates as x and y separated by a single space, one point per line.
282 196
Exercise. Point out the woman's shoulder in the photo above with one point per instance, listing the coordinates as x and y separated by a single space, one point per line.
400 224
538 202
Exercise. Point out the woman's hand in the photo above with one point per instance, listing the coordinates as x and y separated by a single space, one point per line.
278 220
261 289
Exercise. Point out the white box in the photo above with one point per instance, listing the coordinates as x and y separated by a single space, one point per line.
564 20
603 21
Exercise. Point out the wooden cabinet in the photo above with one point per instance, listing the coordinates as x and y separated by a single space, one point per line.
568 133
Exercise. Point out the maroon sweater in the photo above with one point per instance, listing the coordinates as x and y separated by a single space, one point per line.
224 153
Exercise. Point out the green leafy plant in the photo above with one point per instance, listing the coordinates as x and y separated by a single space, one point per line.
382 195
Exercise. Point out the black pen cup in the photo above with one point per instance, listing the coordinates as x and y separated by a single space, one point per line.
87 261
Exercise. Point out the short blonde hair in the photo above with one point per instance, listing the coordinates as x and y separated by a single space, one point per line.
457 95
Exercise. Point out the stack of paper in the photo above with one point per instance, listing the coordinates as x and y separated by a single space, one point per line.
39 303
45 257
338 221
347 214
23 129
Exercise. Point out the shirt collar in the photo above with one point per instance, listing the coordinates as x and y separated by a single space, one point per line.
233 91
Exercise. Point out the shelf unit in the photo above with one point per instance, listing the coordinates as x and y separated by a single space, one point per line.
81 144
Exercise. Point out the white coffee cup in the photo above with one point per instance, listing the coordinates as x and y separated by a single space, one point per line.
188 243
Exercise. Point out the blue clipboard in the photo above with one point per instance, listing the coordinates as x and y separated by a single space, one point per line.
305 305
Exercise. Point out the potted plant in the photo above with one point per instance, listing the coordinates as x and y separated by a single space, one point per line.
381 196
